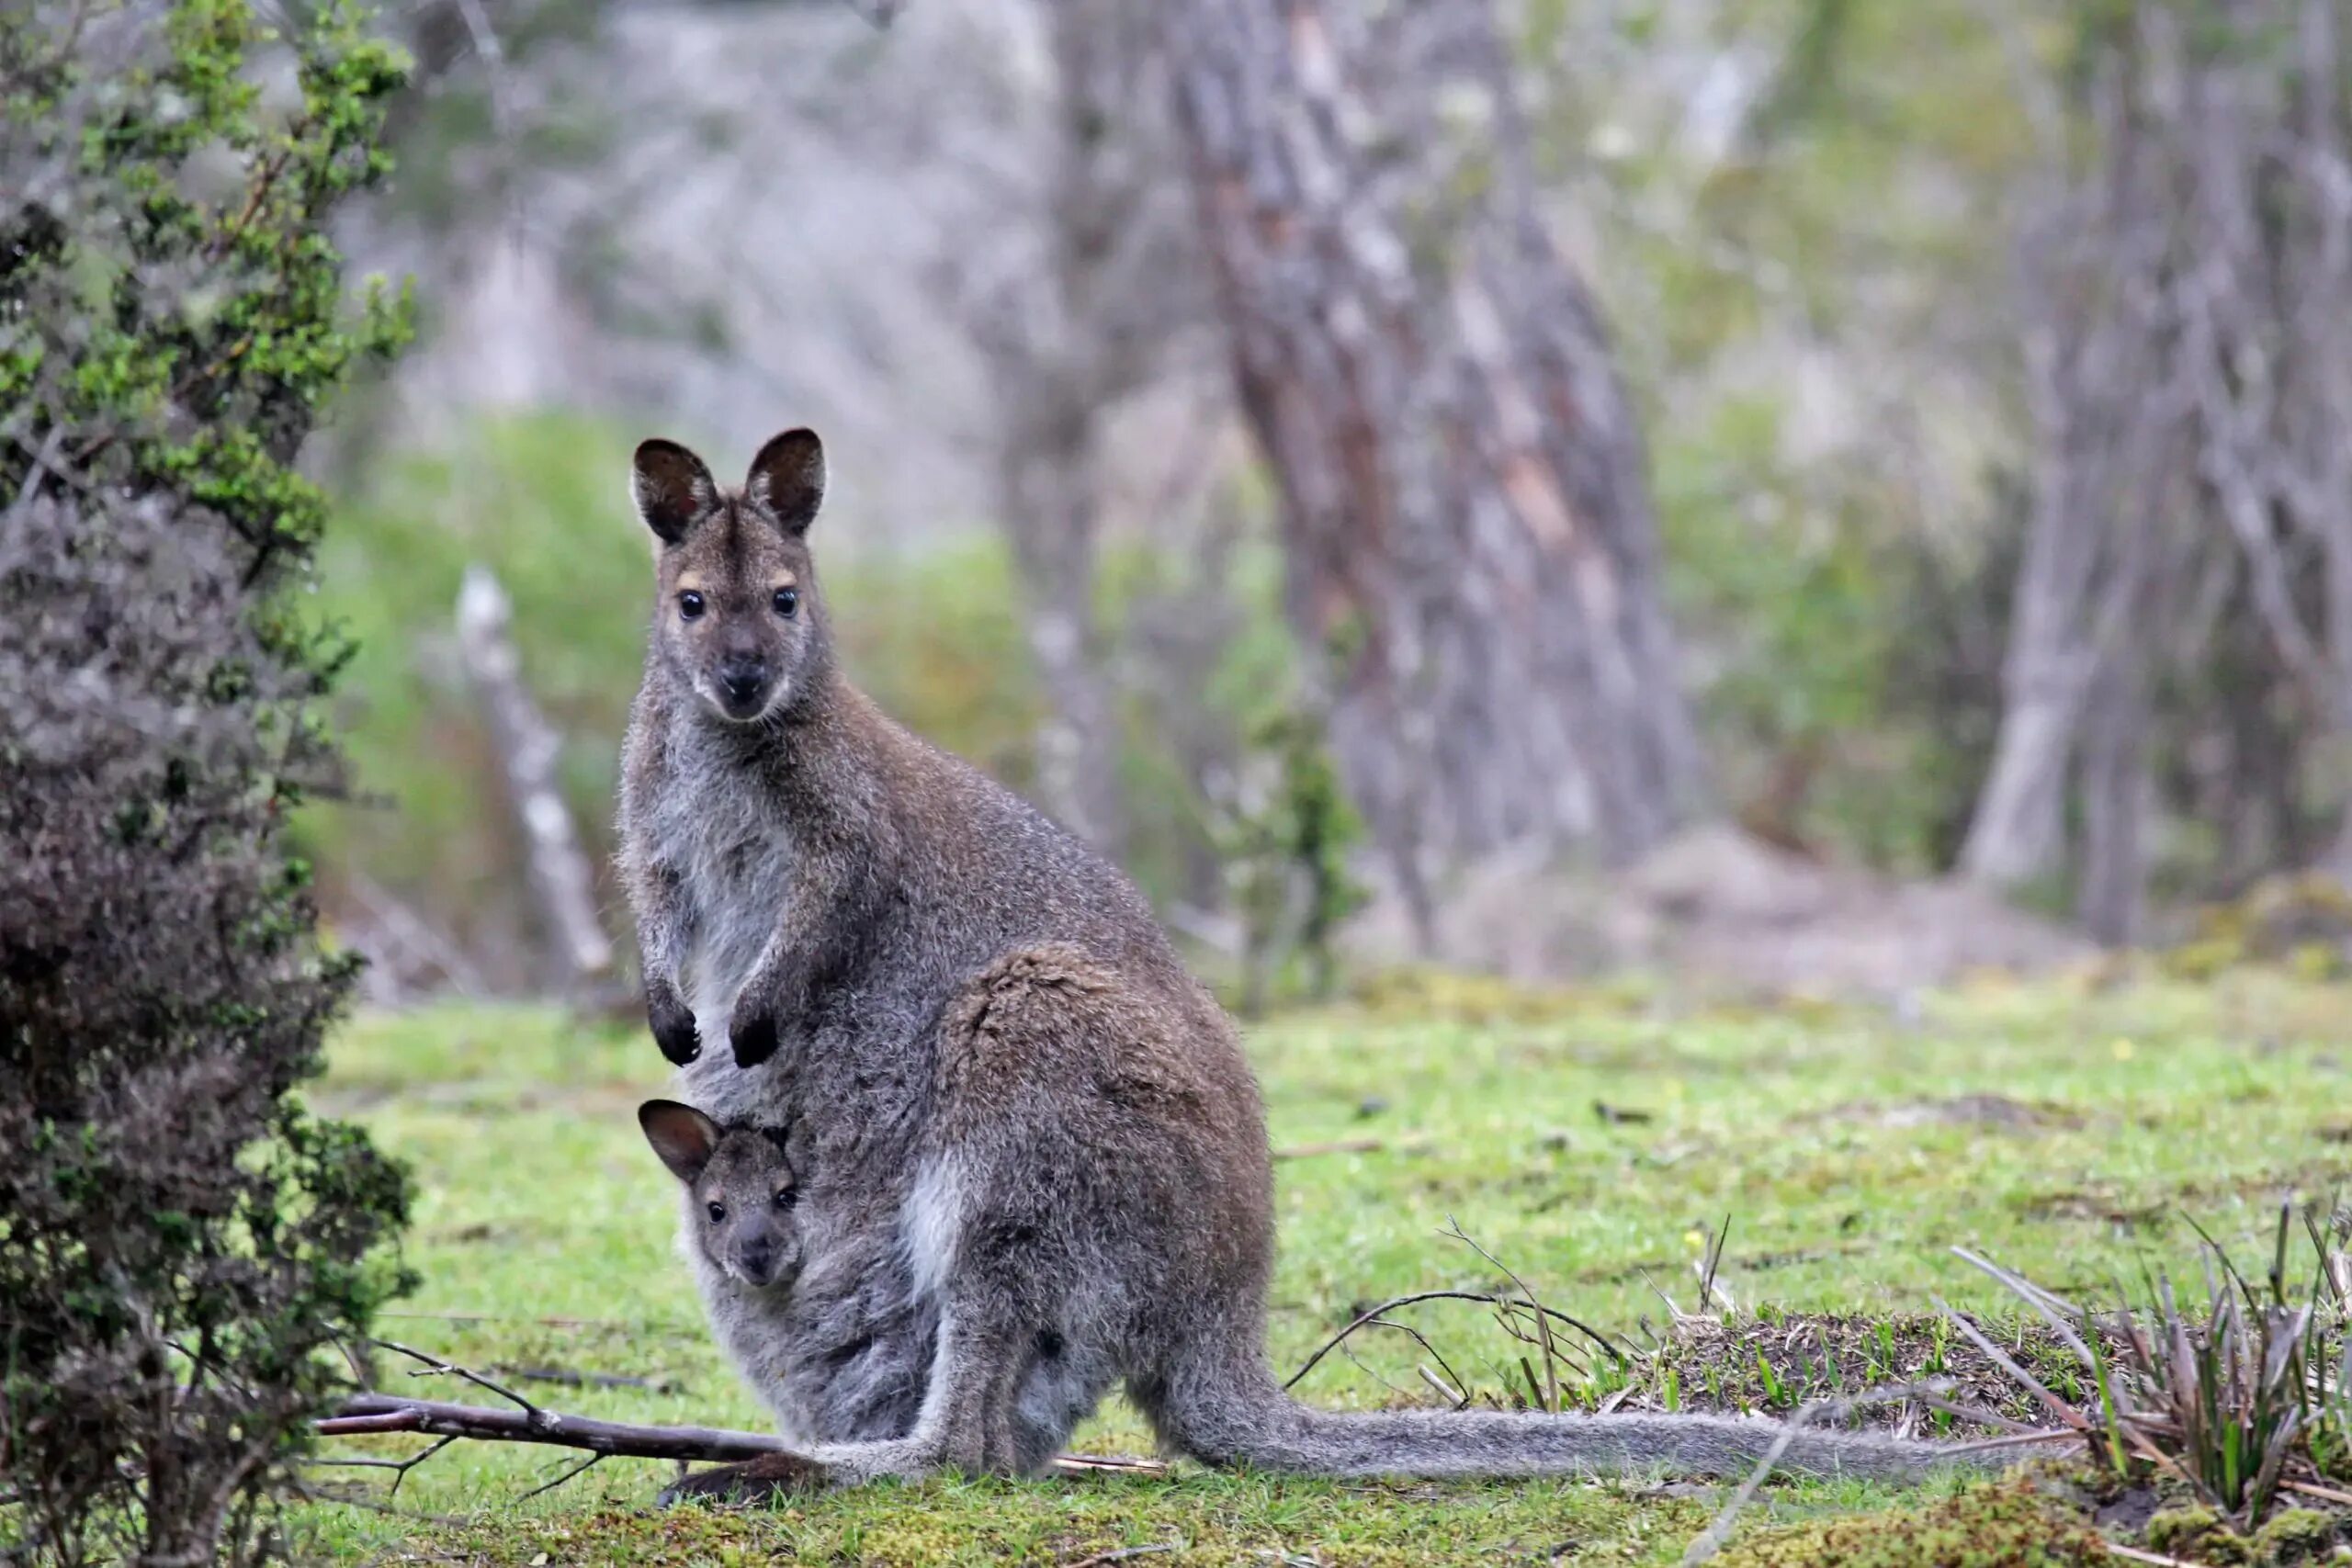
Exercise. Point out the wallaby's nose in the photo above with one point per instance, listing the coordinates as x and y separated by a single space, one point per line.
743 680
756 1258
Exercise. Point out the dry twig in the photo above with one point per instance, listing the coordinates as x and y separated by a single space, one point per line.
1482 1297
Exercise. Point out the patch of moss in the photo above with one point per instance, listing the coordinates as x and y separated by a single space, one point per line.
2192 1530
2004 1523
2303 923
2295 1535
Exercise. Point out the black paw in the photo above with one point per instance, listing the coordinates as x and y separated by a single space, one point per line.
673 1022
752 1032
767 1479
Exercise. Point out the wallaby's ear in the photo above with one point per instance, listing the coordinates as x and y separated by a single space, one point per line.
671 487
788 479
682 1135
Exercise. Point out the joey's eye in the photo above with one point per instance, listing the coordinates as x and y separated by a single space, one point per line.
788 1198
690 605
787 602
717 1212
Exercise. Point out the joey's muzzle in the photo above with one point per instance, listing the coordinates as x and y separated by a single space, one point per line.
766 1259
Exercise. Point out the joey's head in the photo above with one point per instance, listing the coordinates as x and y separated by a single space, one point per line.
736 618
740 1191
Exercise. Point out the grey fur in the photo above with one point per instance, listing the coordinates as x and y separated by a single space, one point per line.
1038 1160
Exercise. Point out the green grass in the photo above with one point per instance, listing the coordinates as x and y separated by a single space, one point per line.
538 1200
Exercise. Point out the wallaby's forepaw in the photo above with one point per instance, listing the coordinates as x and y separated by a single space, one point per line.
762 1480
754 1033
672 1021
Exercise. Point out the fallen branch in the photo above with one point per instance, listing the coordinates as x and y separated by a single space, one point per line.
2133 1555
571 1379
435 1366
2324 1493
634 1328
398 1467
1352 1147
373 1415
1120 1554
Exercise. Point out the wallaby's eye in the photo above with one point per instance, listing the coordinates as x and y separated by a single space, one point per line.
787 602
690 605
717 1212
788 1198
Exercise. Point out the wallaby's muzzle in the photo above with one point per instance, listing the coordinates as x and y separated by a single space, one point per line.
760 1257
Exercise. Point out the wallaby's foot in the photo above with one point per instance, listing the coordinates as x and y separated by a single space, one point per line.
673 1022
905 1459
762 1480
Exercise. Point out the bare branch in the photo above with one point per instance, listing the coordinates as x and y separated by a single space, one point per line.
435 1367
400 1467
374 1414
583 1468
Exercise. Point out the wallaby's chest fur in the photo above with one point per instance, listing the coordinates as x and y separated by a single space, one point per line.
733 850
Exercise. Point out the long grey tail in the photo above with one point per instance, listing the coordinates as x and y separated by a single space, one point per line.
1231 1416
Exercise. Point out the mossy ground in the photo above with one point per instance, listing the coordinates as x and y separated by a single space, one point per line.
543 1234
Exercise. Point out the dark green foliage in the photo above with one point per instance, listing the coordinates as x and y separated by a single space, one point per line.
1286 835
182 1248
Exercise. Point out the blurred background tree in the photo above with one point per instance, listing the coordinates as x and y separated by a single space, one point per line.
1691 428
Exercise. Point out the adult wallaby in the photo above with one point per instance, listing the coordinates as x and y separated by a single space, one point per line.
1040 1160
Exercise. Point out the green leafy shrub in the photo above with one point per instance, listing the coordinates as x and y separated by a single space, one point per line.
182 1246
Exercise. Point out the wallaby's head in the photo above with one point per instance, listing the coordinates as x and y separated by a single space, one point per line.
737 619
740 1190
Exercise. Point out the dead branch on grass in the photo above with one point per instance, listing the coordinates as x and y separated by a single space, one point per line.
373 1415
570 1378
1413 1145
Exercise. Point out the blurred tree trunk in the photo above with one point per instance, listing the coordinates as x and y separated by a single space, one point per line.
1067 335
1048 498
2187 281
1465 511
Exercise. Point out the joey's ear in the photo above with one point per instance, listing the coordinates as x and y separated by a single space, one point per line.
682 1135
788 479
670 488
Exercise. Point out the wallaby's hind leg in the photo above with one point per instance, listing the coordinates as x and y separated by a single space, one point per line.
977 1369
966 1425
966 1422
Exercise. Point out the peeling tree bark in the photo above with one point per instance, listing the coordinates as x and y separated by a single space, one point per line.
1465 512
